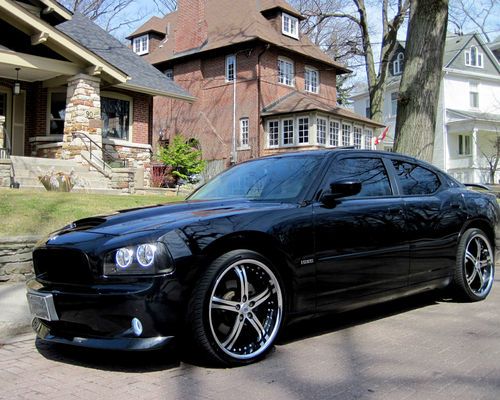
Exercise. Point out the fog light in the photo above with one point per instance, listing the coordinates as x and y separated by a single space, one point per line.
136 327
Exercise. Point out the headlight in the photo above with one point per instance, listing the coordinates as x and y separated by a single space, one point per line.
142 259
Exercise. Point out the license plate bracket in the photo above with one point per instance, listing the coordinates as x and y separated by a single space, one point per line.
42 306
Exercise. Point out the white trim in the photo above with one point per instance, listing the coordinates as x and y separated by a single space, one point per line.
289 25
120 96
124 143
268 141
140 44
8 108
286 60
50 91
230 60
311 70
294 136
478 61
459 72
244 146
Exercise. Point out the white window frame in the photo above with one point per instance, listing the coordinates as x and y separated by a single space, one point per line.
311 80
283 132
397 65
140 44
286 71
367 108
305 132
464 145
270 135
333 133
321 133
119 96
474 60
368 139
357 136
244 133
474 94
230 71
346 128
290 25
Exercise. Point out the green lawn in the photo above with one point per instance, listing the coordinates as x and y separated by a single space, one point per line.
24 212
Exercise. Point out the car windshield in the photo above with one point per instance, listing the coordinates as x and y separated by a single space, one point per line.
266 179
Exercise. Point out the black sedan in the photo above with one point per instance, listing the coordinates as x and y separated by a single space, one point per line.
264 243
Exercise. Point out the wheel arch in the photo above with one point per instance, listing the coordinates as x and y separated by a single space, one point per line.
262 243
484 225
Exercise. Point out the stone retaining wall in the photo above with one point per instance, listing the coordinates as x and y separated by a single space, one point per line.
15 258
5 166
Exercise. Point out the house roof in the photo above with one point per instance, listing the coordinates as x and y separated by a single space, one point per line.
232 22
296 102
266 5
154 24
143 77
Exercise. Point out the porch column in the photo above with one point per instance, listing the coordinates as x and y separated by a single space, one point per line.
474 145
83 114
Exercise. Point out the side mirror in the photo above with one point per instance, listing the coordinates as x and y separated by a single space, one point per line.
341 189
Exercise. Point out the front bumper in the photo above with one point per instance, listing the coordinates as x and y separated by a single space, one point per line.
100 316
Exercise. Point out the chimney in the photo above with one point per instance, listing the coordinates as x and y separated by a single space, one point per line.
192 30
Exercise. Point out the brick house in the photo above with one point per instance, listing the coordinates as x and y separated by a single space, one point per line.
65 82
261 86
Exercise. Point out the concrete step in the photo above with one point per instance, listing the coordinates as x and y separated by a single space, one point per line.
81 182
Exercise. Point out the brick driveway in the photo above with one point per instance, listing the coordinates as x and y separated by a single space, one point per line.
417 348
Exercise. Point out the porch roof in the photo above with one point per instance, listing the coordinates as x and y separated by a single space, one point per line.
296 102
460 116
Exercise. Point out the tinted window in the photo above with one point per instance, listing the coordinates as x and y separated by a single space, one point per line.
416 180
273 178
369 171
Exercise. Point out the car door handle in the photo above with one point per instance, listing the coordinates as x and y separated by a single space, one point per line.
455 205
395 210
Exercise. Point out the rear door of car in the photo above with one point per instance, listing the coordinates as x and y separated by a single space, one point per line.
361 246
435 214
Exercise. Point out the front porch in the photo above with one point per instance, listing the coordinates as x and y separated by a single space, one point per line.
473 146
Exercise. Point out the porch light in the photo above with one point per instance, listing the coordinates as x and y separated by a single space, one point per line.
17 84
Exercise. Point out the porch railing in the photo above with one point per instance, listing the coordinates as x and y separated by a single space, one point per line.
96 160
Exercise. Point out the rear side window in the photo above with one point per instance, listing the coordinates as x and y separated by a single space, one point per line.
416 180
369 171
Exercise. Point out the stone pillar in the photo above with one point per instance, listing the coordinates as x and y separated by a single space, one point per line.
83 114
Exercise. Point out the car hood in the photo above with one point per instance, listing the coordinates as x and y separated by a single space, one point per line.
162 217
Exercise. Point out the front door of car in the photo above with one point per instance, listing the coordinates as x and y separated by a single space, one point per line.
360 240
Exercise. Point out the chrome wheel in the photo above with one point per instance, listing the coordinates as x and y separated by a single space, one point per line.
245 309
478 264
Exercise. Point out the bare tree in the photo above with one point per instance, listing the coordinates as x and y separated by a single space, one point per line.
165 6
467 15
419 89
355 13
111 15
491 155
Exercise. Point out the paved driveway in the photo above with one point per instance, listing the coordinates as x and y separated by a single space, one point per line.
417 348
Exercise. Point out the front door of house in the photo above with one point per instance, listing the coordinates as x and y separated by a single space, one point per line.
18 122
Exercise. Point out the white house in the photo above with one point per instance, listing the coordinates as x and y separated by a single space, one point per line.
468 125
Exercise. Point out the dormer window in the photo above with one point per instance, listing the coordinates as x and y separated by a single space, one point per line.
290 26
140 45
397 65
473 58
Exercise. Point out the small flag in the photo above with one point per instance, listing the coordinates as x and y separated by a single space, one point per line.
382 136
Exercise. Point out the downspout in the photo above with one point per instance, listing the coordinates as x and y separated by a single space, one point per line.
235 78
266 48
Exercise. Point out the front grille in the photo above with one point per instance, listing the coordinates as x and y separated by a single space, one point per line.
62 266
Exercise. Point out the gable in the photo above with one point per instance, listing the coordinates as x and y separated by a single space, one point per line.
459 47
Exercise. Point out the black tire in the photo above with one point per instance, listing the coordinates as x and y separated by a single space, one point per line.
475 266
236 310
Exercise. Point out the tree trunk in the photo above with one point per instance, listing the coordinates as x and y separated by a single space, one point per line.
420 83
